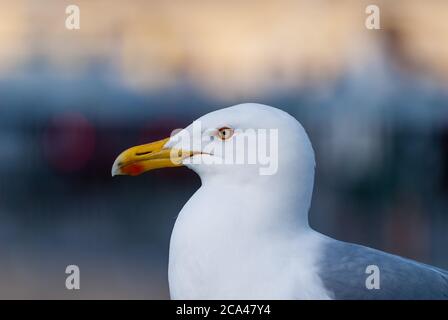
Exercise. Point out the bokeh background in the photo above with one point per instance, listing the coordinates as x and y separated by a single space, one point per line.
374 102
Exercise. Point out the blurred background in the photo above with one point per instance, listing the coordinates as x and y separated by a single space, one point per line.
374 102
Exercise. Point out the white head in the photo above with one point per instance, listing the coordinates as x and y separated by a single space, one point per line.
243 145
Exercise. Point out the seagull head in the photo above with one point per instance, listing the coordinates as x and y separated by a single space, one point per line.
239 143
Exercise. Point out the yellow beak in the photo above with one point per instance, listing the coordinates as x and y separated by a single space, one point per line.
146 157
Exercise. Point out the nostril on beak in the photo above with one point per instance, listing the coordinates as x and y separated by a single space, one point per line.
142 153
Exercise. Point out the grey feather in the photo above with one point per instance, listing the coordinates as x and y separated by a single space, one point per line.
342 270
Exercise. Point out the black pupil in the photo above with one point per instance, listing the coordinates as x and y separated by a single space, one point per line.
225 133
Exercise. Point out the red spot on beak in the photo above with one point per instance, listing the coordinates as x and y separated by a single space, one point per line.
133 169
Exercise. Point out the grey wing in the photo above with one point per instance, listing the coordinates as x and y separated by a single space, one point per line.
342 270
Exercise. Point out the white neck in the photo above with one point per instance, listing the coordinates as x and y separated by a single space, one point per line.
278 200
235 240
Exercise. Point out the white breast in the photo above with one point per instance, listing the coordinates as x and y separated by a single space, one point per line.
217 253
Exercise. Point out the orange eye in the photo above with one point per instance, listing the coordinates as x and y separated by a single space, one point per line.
225 133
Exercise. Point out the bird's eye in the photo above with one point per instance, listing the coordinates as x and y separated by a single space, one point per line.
225 133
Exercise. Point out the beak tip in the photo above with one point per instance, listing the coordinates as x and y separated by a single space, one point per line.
136 160
115 171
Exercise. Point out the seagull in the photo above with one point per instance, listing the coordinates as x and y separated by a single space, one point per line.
244 234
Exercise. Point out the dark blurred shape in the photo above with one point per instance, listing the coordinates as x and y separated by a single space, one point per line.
69 141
